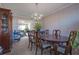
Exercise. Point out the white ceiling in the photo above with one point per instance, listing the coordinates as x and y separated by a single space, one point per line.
27 9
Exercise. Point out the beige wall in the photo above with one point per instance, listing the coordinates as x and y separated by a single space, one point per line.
65 20
17 21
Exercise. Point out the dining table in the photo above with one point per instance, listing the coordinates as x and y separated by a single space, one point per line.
55 40
52 38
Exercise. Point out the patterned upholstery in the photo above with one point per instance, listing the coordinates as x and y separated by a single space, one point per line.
46 46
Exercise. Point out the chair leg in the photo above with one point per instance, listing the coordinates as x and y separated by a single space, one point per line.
29 44
36 51
41 51
50 52
70 51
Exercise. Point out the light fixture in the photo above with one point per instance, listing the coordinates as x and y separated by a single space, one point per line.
36 15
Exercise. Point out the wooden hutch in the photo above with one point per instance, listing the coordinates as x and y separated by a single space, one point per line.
5 29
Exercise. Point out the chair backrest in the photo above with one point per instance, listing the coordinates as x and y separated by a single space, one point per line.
56 33
71 39
46 32
42 33
37 39
31 34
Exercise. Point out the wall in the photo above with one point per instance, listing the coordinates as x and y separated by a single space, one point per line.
17 21
65 20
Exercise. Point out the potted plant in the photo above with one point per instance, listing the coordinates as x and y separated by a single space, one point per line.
38 26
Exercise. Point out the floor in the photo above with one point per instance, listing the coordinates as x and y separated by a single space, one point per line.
21 48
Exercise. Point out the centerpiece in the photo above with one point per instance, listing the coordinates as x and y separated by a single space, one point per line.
37 26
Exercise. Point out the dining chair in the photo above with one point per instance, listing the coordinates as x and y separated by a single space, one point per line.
56 33
46 33
40 44
67 49
42 33
53 49
31 38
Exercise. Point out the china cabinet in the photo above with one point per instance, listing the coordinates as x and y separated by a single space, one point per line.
5 29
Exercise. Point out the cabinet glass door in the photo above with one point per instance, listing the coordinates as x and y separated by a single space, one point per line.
4 24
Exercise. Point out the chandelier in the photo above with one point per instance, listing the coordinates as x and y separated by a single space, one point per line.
36 15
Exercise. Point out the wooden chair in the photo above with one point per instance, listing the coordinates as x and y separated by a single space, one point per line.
56 33
65 49
31 38
53 49
46 33
40 44
42 33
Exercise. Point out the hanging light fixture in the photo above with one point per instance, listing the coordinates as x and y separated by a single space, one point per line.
36 15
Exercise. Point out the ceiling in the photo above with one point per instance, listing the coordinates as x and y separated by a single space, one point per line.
27 9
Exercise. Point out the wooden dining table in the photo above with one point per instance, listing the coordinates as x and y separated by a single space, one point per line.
52 39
